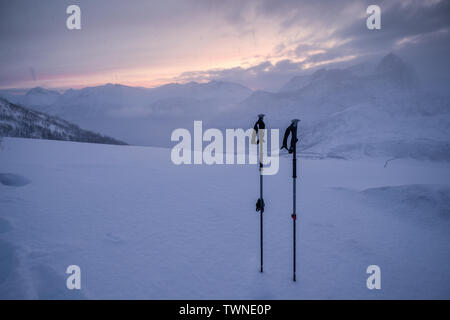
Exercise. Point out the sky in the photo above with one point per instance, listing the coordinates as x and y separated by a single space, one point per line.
260 44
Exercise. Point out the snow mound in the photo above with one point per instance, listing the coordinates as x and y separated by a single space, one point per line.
13 180
5 226
7 261
420 200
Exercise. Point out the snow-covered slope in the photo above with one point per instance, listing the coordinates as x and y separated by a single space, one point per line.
139 227
383 128
17 121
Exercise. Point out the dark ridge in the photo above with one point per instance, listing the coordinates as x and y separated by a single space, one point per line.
21 122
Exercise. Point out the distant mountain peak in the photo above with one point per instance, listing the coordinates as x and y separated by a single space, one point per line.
319 72
36 89
397 71
391 62
40 90
38 97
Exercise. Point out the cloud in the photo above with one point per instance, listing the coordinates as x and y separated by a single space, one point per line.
265 75
417 30
259 43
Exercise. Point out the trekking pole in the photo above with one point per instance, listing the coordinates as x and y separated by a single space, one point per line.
259 130
292 129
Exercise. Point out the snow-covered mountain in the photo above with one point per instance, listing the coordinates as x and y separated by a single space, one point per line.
391 71
135 114
39 97
213 90
396 72
296 83
18 121
371 108
365 110
114 99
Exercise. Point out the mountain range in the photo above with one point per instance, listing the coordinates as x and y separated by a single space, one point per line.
137 115
373 109
376 108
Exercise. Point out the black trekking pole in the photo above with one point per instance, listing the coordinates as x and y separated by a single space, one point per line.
292 129
259 130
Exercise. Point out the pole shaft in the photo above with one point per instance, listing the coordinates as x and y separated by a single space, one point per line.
294 177
260 127
261 138
261 222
